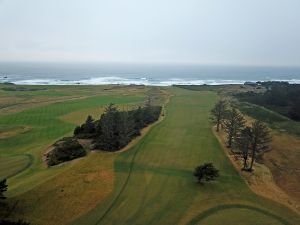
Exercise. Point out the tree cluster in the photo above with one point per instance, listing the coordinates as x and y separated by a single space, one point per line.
281 97
246 140
115 129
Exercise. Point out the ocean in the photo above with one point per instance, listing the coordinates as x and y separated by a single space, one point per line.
162 75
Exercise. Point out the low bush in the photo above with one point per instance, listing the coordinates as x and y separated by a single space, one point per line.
65 150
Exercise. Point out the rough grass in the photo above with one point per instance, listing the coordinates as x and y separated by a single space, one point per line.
283 161
16 101
80 187
79 117
154 182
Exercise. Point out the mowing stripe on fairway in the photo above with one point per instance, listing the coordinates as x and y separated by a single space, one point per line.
9 174
211 211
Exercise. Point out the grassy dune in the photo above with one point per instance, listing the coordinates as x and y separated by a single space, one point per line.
154 182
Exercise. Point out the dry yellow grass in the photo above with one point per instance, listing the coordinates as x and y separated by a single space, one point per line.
10 132
283 161
78 117
72 193
262 180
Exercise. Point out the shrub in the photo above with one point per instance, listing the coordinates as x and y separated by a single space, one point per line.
65 150
206 172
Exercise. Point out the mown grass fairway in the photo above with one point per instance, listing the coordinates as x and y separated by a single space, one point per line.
151 183
155 183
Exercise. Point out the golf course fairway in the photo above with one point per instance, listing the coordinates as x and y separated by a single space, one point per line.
155 183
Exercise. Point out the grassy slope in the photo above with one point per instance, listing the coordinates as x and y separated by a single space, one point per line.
46 127
10 166
273 119
283 159
155 183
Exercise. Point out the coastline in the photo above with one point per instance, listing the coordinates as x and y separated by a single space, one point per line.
114 80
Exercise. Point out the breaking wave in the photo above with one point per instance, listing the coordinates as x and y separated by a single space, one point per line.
136 81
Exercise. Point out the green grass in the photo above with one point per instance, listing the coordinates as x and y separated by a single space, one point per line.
273 119
154 181
46 127
237 214
10 166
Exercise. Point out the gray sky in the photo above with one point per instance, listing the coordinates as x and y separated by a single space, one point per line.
251 32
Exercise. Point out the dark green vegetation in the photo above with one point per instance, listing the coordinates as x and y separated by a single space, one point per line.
153 181
206 172
219 113
274 120
115 129
233 123
254 140
259 139
21 88
280 97
203 87
65 150
9 222
4 207
3 188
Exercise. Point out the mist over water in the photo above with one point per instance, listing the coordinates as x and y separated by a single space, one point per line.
165 75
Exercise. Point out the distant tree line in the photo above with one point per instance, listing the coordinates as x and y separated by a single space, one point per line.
243 140
281 97
115 128
4 207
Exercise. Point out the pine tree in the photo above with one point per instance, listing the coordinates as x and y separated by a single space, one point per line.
106 129
243 141
260 139
218 113
233 123
89 126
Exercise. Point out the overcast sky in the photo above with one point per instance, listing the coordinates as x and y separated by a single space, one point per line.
251 32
